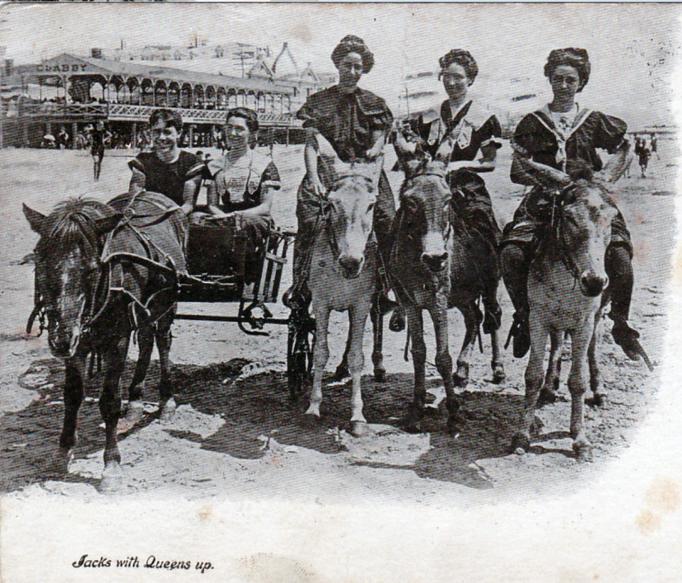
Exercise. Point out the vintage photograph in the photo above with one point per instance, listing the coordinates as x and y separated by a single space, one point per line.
409 256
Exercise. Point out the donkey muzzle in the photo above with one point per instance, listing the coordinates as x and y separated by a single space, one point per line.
435 261
592 284
350 266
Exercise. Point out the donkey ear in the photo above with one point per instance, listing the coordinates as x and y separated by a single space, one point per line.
445 150
106 224
34 218
411 154
376 167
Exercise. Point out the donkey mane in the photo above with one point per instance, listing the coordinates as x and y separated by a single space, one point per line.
73 223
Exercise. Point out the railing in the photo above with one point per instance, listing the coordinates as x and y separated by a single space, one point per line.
62 109
125 112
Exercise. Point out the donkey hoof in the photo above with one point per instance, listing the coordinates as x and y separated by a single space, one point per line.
358 428
583 452
460 381
520 443
454 425
133 416
60 462
597 400
536 426
112 479
499 376
546 397
340 373
168 410
379 375
311 420
413 422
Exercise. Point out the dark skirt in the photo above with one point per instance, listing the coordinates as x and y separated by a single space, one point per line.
534 213
472 200
309 204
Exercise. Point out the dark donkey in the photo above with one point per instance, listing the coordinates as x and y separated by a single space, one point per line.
437 263
102 272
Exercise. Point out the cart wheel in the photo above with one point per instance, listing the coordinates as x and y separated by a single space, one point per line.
300 342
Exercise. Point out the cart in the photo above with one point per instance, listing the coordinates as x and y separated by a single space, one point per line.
224 268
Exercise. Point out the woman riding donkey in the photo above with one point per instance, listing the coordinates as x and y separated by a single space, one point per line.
473 130
551 147
355 122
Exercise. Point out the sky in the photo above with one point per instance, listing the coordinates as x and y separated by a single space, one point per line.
633 49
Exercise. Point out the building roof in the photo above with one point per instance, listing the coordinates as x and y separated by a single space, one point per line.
72 65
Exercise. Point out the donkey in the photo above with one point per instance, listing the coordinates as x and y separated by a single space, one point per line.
99 275
343 269
436 264
567 292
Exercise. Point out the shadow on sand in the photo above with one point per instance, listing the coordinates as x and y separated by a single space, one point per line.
259 406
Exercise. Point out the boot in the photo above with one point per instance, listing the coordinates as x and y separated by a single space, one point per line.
619 270
397 321
627 338
521 335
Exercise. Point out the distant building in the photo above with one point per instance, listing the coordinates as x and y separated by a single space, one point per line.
74 91
232 59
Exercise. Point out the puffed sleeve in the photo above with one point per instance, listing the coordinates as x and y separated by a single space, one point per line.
609 132
490 133
213 167
270 177
310 113
374 109
194 167
525 140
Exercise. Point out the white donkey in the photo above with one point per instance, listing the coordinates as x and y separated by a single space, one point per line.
343 269
567 290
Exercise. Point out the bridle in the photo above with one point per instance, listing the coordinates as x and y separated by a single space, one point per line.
557 222
448 223
325 220
91 310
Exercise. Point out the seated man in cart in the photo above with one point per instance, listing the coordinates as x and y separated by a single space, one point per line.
243 183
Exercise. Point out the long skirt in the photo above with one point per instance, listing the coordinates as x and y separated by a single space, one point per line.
309 204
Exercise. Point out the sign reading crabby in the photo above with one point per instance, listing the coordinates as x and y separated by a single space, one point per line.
60 68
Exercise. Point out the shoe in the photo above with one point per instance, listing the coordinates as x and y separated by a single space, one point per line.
386 305
397 321
521 335
627 338
295 299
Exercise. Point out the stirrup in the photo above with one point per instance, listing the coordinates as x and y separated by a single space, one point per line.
293 299
520 333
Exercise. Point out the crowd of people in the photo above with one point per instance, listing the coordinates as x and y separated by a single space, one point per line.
559 140
116 139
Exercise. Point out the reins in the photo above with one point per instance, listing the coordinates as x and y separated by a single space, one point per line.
556 236
91 308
